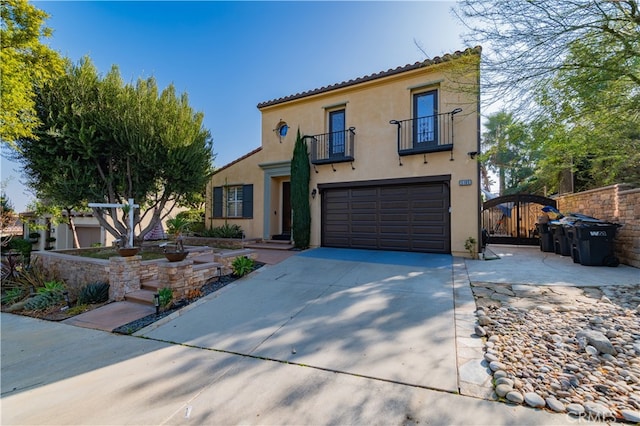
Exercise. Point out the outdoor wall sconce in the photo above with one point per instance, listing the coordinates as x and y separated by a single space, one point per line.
156 302
313 193
281 129
472 154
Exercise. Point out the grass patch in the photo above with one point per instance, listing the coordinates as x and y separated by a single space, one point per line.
105 254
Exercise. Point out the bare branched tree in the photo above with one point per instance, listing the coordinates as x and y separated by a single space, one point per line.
525 43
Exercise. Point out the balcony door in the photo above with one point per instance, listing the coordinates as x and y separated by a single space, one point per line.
337 123
425 123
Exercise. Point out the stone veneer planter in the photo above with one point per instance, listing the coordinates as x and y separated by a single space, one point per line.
176 256
126 274
128 251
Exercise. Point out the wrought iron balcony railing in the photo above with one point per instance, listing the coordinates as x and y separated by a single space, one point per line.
426 134
335 147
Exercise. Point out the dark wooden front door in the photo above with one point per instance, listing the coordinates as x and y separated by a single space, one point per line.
286 208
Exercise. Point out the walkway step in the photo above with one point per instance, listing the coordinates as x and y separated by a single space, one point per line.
144 297
151 285
271 245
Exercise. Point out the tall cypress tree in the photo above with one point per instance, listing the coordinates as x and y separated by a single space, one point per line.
300 175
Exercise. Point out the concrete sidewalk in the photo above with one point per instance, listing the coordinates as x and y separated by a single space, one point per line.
58 374
529 265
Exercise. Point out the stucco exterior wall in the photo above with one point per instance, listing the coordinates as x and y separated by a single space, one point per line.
369 107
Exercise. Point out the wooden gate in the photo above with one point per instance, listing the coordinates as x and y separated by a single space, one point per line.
511 219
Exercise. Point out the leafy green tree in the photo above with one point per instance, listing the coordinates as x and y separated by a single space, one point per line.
300 175
103 141
508 151
25 64
591 125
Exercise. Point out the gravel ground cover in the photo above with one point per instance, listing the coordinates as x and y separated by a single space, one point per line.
566 349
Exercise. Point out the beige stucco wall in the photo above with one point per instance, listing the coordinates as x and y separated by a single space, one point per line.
369 107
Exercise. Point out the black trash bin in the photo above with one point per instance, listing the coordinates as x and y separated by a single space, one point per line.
592 243
546 237
561 244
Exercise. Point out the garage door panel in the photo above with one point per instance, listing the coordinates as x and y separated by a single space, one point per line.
408 217
397 217
364 229
436 218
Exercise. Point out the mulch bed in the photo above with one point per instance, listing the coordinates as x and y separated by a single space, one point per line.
59 313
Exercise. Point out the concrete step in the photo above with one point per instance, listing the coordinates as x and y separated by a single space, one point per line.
144 297
271 245
151 285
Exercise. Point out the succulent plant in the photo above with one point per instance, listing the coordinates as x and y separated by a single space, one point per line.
97 292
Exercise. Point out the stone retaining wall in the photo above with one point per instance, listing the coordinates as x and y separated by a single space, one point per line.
126 274
618 204
75 271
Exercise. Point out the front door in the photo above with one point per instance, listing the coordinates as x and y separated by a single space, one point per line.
286 208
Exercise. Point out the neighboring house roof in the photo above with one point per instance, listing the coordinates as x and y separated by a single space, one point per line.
238 160
429 62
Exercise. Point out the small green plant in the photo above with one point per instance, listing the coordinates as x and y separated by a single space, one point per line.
177 225
51 287
46 296
470 246
34 235
166 296
94 293
242 266
77 310
224 231
22 246
12 295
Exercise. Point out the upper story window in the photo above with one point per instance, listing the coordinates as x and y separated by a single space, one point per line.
428 130
337 126
425 115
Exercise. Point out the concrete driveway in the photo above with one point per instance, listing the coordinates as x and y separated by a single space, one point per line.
376 314
325 337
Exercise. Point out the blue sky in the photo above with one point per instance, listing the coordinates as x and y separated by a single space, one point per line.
230 56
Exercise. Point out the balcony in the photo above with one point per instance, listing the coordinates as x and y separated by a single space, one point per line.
426 134
335 147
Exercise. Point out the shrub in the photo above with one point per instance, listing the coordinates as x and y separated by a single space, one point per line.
224 231
12 295
52 287
47 296
97 292
192 215
42 301
242 265
166 296
177 225
22 246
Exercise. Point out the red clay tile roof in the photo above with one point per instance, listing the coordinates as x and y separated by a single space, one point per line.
237 160
437 60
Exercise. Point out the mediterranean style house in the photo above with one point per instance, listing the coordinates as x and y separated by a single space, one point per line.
392 157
